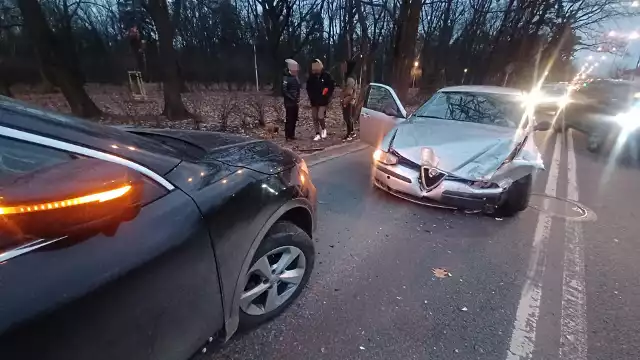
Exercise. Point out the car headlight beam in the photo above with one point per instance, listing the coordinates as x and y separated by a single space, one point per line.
630 120
384 157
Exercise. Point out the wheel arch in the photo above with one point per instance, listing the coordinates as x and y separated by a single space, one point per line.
300 212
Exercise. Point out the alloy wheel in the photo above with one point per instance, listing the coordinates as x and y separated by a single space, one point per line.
272 280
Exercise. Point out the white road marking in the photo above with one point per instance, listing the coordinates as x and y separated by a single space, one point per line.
524 332
573 322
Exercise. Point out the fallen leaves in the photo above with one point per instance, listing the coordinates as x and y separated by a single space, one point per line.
440 273
250 113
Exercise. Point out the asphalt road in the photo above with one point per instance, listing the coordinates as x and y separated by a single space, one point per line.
534 286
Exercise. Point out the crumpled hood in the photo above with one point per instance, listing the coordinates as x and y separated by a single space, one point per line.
463 149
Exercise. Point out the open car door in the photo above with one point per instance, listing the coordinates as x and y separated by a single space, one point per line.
381 111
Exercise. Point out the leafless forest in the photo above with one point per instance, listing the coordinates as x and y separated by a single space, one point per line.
78 52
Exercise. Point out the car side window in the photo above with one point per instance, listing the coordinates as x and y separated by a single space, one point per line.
381 100
18 158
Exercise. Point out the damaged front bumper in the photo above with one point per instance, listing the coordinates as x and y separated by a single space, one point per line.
405 181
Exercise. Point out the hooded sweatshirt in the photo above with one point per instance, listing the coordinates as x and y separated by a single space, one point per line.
290 86
348 94
320 86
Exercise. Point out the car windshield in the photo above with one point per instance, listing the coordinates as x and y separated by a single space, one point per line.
483 108
554 89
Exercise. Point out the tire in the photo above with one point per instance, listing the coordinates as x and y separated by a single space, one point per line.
559 126
282 235
518 196
594 144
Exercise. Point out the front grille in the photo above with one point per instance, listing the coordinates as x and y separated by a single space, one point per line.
431 180
405 162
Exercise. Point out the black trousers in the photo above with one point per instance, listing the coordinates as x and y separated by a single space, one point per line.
290 121
347 115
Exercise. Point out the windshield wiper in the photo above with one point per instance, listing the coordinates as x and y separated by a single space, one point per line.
430 116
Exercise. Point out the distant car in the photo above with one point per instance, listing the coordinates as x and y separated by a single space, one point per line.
551 101
601 109
143 244
467 147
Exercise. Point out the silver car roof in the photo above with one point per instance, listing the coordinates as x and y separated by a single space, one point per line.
483 89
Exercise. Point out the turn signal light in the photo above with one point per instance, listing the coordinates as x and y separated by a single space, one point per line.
91 198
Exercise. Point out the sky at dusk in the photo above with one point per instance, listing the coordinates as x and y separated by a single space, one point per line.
605 68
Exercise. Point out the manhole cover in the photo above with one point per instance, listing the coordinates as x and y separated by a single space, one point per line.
562 208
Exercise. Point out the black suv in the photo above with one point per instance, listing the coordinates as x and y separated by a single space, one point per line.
144 243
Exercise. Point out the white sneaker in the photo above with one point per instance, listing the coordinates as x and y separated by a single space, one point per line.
317 138
324 133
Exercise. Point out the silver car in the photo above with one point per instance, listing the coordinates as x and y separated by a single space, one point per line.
468 147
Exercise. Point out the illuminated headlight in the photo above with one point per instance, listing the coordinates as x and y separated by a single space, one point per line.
563 101
303 166
384 157
629 120
636 95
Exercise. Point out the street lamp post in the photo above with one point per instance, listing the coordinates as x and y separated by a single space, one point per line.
415 66
255 65
464 75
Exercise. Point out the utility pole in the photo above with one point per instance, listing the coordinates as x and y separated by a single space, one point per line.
255 64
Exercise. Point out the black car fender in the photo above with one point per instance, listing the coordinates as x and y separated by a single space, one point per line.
232 320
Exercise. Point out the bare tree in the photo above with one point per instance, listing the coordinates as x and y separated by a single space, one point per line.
174 108
57 65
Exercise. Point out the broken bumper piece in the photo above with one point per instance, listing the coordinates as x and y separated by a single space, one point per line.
449 192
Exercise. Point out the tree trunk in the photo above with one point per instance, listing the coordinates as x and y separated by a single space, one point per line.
5 89
174 108
404 47
54 64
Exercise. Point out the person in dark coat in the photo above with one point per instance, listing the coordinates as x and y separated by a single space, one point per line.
291 93
320 87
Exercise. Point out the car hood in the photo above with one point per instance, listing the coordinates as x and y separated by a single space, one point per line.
466 150
235 150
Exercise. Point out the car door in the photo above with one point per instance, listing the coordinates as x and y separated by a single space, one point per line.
145 287
381 111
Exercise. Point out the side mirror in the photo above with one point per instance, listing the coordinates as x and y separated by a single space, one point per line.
78 198
542 126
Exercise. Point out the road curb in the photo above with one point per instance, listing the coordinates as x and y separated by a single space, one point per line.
333 152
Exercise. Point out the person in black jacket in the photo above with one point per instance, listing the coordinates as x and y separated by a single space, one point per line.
319 89
291 94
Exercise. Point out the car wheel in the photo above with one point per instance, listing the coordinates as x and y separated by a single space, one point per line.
559 126
517 198
594 143
279 271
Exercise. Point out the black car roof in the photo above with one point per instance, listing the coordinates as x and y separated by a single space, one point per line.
151 154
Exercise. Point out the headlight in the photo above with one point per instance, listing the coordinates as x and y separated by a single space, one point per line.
385 157
564 101
303 166
629 120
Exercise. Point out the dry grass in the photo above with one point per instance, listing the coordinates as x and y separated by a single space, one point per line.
251 113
